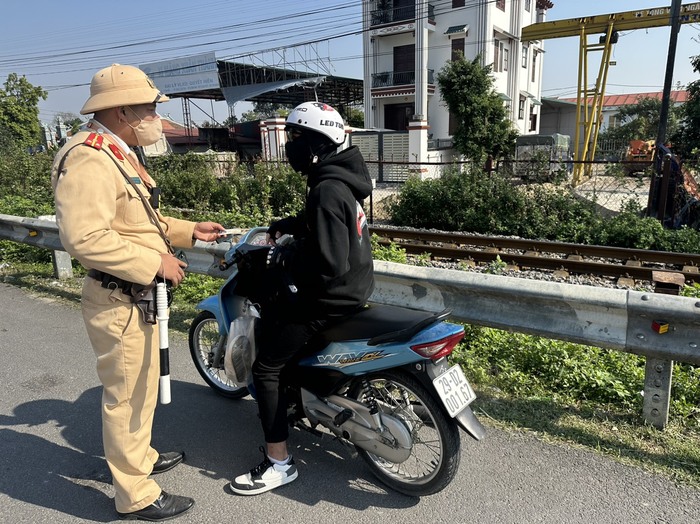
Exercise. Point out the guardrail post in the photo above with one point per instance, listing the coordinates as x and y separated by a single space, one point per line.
62 265
658 372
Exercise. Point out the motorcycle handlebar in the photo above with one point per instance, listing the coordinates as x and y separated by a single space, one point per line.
224 265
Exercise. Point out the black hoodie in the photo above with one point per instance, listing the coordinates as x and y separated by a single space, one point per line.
332 260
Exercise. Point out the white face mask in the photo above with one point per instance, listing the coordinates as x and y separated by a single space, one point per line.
147 131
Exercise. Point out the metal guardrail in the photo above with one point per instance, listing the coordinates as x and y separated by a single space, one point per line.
609 318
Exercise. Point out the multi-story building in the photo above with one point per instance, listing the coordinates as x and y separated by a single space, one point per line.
407 42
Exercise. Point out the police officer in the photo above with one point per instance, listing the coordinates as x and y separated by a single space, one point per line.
107 222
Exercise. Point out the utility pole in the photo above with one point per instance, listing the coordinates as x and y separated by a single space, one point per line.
655 185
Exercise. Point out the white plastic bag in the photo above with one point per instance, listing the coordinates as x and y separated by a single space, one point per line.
240 347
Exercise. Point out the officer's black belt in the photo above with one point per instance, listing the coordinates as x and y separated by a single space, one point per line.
111 282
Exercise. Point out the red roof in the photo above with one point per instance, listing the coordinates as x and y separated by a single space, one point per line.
678 97
176 133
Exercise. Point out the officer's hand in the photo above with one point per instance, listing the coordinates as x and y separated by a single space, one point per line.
171 269
207 231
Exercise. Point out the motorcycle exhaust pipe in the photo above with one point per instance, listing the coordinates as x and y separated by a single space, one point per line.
392 441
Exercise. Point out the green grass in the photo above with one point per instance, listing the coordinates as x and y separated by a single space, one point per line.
564 393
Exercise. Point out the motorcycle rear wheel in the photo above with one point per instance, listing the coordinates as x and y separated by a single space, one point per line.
204 337
435 453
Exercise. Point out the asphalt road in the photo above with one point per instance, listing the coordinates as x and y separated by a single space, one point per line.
52 470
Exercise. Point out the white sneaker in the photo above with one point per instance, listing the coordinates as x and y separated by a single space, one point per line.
264 477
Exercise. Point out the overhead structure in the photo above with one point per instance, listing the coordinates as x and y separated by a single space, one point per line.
590 99
205 77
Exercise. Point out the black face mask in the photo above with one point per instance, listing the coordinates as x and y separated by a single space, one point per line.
299 154
307 149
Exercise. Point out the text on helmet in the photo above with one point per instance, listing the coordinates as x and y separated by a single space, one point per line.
331 123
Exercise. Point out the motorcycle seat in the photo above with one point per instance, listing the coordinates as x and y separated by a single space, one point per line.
381 324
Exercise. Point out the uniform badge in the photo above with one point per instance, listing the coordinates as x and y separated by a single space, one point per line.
116 151
94 140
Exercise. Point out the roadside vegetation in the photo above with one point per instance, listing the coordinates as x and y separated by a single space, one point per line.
563 392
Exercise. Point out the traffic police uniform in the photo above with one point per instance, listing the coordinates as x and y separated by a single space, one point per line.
103 224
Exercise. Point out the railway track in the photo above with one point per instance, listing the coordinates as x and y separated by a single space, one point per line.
607 261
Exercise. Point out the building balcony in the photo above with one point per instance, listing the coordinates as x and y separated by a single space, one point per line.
398 78
398 15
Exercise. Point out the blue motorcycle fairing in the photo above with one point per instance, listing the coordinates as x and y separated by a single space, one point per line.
355 357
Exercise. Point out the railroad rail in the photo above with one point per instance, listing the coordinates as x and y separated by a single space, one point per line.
542 254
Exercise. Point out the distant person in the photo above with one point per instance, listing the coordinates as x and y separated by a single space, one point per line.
106 209
331 266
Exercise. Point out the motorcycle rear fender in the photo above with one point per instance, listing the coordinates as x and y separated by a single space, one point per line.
468 422
465 419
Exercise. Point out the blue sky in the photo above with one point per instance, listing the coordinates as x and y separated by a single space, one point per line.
640 54
59 47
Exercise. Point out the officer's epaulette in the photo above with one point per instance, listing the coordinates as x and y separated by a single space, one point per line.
94 140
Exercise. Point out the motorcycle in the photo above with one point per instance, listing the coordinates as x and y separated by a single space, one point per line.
379 382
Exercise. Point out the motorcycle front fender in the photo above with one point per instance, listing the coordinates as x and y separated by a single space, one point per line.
212 305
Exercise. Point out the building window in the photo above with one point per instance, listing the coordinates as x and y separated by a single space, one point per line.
501 4
534 66
527 5
500 56
457 48
404 65
533 121
523 60
457 3
614 121
521 108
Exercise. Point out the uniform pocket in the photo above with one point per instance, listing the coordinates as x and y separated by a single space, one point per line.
134 212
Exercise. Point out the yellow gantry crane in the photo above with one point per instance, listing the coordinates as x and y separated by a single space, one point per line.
589 101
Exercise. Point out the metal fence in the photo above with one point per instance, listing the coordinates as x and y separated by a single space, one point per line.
609 318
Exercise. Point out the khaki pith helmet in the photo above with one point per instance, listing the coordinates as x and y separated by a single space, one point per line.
121 85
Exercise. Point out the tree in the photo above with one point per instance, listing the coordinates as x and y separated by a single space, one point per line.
687 140
640 121
19 109
483 126
353 117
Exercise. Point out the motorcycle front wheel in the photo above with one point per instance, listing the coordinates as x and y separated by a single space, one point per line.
204 338
435 451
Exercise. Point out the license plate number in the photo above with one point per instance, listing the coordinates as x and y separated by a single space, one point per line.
454 390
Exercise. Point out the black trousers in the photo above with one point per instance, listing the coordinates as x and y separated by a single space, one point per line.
279 340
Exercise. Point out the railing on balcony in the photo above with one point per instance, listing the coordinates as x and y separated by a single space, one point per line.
398 78
399 14
435 144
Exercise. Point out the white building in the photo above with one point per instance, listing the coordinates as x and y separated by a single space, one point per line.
407 42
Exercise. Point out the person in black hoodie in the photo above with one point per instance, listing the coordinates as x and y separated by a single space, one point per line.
329 269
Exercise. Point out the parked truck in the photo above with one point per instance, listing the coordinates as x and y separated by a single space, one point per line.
540 158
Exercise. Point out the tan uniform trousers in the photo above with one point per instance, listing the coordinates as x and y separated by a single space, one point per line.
128 365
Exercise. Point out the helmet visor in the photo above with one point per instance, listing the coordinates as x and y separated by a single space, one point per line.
293 133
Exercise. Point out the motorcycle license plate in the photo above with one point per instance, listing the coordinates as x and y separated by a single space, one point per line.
454 390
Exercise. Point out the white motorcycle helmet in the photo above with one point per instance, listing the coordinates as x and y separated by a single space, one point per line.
315 132
318 117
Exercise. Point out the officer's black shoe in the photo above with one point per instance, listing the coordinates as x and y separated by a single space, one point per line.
165 507
167 461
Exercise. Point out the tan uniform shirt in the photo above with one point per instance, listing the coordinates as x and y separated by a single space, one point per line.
101 218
